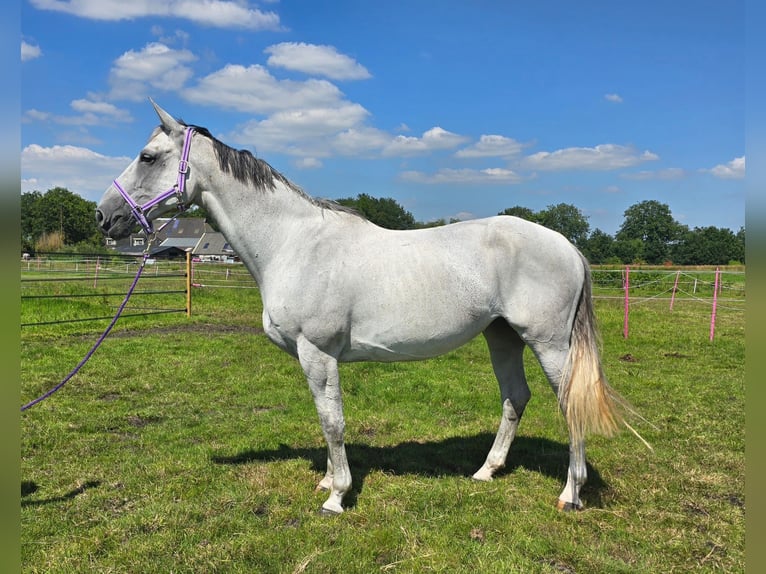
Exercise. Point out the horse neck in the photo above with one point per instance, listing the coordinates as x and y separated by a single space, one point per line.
261 224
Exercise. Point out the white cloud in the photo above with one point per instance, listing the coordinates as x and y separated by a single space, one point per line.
308 163
217 13
660 174
35 115
599 158
100 110
80 170
253 89
434 139
225 14
491 146
305 132
614 98
29 51
463 176
315 60
735 169
177 36
360 141
90 112
154 67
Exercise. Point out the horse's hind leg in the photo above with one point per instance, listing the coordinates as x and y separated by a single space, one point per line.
553 360
506 350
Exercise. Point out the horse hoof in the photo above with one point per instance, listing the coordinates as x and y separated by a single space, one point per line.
568 506
326 512
482 476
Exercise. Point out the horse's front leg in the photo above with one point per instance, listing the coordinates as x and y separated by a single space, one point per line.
321 372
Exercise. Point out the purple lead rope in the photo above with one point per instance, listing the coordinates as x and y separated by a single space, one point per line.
139 212
98 343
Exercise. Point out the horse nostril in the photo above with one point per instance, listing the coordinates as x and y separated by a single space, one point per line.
101 221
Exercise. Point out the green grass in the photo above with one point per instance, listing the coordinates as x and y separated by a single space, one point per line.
192 445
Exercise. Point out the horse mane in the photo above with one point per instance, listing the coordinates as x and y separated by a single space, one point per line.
248 169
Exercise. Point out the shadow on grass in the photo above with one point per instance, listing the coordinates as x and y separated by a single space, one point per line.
456 456
29 487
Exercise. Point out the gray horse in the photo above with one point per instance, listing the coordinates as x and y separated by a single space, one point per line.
336 287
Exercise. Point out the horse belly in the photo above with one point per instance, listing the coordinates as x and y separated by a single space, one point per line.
415 335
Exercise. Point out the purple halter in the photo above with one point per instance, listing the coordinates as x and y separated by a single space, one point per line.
139 211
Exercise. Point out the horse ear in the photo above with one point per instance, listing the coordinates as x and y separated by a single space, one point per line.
168 121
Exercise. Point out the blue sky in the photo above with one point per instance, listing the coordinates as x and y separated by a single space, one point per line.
454 109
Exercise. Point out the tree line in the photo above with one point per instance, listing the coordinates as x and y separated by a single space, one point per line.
649 234
60 220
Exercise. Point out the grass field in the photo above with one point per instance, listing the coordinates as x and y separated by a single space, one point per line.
192 445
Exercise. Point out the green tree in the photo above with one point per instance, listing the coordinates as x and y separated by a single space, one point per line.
385 212
519 211
563 217
32 224
651 223
708 246
741 245
599 247
629 250
567 220
60 211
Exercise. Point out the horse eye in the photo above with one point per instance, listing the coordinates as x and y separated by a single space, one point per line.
147 158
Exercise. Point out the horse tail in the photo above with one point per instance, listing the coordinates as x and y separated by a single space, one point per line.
588 402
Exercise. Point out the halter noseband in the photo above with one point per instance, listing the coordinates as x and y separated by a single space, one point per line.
139 211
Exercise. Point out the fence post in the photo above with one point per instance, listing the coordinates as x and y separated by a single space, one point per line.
675 288
626 284
95 275
715 302
188 283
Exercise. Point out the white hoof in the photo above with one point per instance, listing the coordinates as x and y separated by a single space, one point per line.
329 509
484 474
564 506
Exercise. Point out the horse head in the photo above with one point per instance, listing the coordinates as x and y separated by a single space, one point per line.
156 182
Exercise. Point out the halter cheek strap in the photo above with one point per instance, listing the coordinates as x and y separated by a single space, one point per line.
140 211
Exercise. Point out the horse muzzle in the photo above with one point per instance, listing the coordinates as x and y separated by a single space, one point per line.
114 221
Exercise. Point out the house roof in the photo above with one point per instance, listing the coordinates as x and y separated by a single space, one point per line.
180 235
212 243
180 242
183 227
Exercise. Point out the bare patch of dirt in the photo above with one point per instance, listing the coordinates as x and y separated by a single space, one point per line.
628 358
558 566
189 328
194 328
140 422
